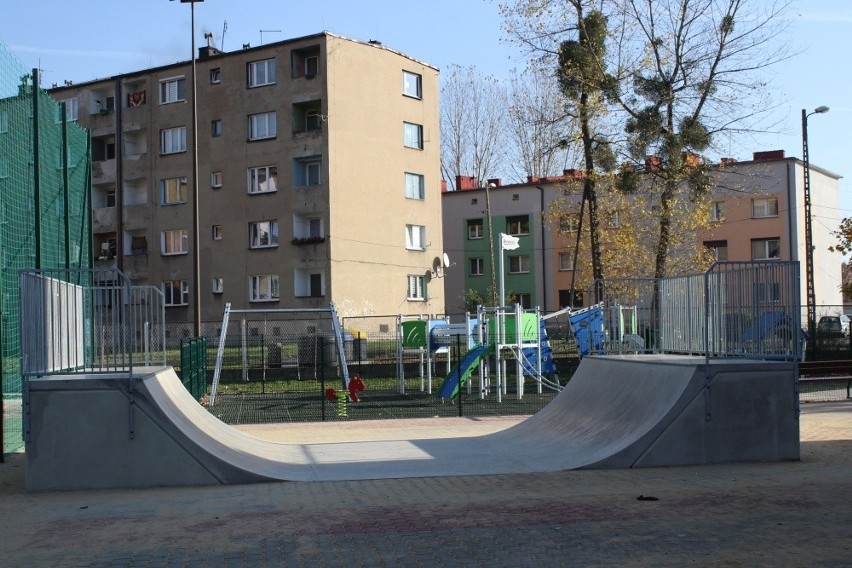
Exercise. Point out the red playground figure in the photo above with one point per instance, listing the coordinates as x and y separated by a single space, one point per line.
356 384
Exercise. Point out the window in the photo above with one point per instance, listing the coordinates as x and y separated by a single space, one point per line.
72 109
568 222
172 90
261 73
525 300
518 225
313 120
767 207
477 266
416 287
4 121
215 76
263 288
412 84
263 179
216 128
216 179
173 191
412 135
571 298
474 229
217 232
263 234
173 140
519 264
566 261
262 126
415 237
307 227
218 285
415 187
315 228
719 249
308 284
176 292
316 285
764 249
311 66
307 171
717 211
110 198
175 241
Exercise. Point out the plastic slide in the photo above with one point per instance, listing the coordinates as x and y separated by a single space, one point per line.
462 370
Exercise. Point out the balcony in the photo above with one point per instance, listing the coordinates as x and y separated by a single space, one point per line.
103 171
136 166
104 220
102 123
136 266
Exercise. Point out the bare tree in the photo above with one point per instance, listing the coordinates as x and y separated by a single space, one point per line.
473 110
539 129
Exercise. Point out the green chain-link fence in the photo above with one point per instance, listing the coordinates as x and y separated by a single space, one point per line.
44 209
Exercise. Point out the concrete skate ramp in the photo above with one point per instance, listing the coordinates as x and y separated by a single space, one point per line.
616 412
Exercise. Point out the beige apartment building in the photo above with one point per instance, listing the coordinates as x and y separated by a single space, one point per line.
318 177
758 204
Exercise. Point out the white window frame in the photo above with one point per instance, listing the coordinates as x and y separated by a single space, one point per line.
172 90
715 246
412 135
764 207
218 285
216 127
717 211
263 125
173 140
416 288
315 166
566 261
216 232
168 288
307 60
261 73
72 110
415 186
174 242
215 179
765 253
215 76
568 222
269 183
264 288
256 231
475 235
415 237
412 84
476 266
519 264
174 191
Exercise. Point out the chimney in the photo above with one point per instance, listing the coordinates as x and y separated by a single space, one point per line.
769 155
496 181
533 179
207 52
727 161
691 159
653 163
465 182
443 186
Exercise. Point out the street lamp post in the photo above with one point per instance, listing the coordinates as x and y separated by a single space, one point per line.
488 187
196 227
809 242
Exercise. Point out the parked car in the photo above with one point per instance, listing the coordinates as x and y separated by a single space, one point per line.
834 325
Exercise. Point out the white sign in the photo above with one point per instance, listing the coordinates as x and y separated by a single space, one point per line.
508 242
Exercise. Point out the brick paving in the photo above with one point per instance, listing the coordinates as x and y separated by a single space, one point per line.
775 514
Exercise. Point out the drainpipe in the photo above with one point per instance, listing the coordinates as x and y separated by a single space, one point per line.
543 251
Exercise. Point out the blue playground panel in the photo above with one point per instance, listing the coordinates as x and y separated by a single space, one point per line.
588 328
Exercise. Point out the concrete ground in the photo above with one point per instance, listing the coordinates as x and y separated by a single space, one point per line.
758 514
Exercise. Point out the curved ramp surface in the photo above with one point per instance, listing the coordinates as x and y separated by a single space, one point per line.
616 412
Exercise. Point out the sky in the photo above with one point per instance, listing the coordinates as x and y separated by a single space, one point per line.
90 39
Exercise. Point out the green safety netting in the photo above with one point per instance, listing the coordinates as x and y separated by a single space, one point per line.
44 209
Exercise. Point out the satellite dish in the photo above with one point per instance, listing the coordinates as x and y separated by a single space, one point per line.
446 259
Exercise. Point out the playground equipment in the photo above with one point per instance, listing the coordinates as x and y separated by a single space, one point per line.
506 333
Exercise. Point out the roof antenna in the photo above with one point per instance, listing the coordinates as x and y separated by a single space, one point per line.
224 29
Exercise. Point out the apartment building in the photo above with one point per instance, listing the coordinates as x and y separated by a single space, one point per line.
318 177
758 205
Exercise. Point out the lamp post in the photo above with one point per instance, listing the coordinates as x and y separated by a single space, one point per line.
488 187
809 242
196 228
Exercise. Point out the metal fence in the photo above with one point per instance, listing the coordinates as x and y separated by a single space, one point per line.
735 309
88 321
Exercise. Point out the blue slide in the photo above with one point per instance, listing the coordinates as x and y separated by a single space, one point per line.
462 370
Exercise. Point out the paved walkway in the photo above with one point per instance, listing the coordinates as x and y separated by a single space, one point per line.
777 514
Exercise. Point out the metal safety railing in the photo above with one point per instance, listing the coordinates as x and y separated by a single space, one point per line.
88 321
734 309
